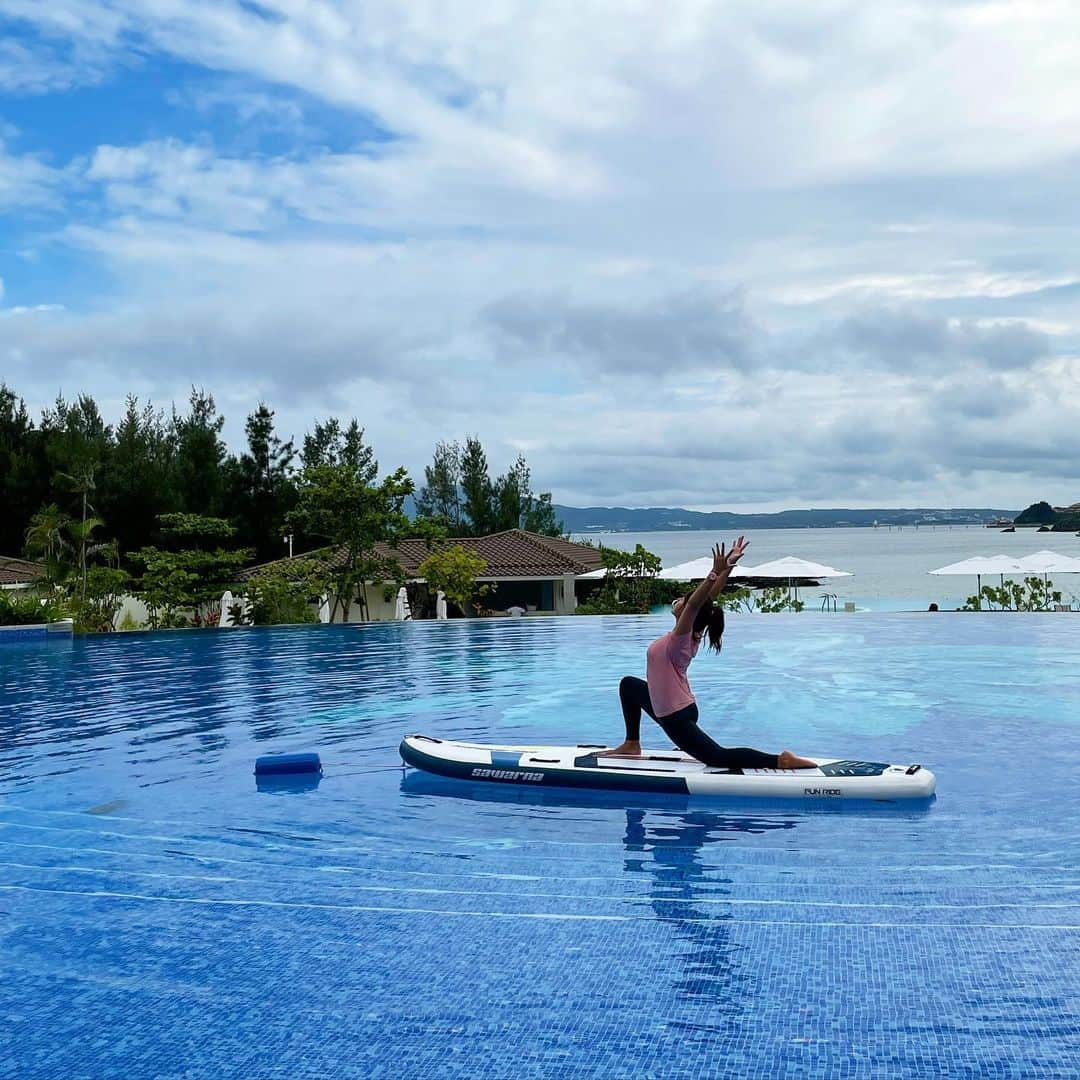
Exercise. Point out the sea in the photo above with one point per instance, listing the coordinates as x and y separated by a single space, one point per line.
890 564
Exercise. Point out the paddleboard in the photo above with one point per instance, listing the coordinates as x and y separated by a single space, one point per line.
662 771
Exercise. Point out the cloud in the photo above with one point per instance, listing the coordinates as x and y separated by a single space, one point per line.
983 397
26 182
39 69
907 339
716 254
568 101
658 337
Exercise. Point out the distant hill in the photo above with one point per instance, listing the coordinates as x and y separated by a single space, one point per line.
1060 518
586 519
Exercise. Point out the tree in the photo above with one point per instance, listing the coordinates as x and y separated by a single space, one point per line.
324 445
77 439
193 578
630 586
455 570
459 491
341 500
200 455
517 508
82 530
138 480
95 611
25 477
46 538
167 586
476 489
282 592
261 488
198 530
77 442
508 497
440 498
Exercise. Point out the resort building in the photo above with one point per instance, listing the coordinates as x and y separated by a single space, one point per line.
19 573
525 570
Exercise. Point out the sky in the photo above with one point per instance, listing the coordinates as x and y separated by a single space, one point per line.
741 255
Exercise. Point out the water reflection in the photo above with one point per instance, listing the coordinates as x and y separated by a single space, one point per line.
673 851
287 783
685 891
665 838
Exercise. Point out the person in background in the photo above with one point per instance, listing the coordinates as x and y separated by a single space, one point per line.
665 692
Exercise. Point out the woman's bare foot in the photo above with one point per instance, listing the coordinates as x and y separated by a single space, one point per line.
628 749
788 760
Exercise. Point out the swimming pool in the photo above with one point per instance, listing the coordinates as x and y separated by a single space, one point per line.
163 917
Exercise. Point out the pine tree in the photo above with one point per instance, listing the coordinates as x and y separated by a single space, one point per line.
200 456
476 489
440 498
262 491
137 484
25 478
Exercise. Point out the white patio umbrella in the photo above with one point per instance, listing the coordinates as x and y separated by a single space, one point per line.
791 567
1049 562
695 570
324 608
440 604
401 605
982 564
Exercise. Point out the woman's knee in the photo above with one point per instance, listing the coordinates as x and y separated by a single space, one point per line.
628 686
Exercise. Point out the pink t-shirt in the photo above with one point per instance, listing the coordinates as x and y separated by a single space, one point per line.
665 672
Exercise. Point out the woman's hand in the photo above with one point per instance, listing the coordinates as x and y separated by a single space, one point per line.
719 558
738 548
724 560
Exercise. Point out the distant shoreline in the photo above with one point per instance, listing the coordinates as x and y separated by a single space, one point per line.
618 519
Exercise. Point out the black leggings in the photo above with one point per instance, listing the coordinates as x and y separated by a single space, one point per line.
682 729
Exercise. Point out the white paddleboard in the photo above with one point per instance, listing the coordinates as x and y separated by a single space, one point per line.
664 771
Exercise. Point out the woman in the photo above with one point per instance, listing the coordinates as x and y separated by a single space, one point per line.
665 693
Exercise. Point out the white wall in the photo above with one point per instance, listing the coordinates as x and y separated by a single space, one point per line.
136 608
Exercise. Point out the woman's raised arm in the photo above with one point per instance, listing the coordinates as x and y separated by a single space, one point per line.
723 563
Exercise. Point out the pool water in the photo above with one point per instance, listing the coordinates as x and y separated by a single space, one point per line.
161 916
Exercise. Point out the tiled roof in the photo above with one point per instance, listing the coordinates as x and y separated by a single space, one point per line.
19 571
511 554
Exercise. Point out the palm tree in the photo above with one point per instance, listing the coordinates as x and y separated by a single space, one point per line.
46 538
80 531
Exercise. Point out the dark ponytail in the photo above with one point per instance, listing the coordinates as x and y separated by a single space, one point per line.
710 621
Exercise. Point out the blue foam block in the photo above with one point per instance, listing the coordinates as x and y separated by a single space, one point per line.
282 764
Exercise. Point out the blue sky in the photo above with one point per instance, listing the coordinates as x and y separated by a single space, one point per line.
739 255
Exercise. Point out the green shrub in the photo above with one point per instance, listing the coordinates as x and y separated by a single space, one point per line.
281 593
1032 594
28 609
455 570
94 613
631 586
